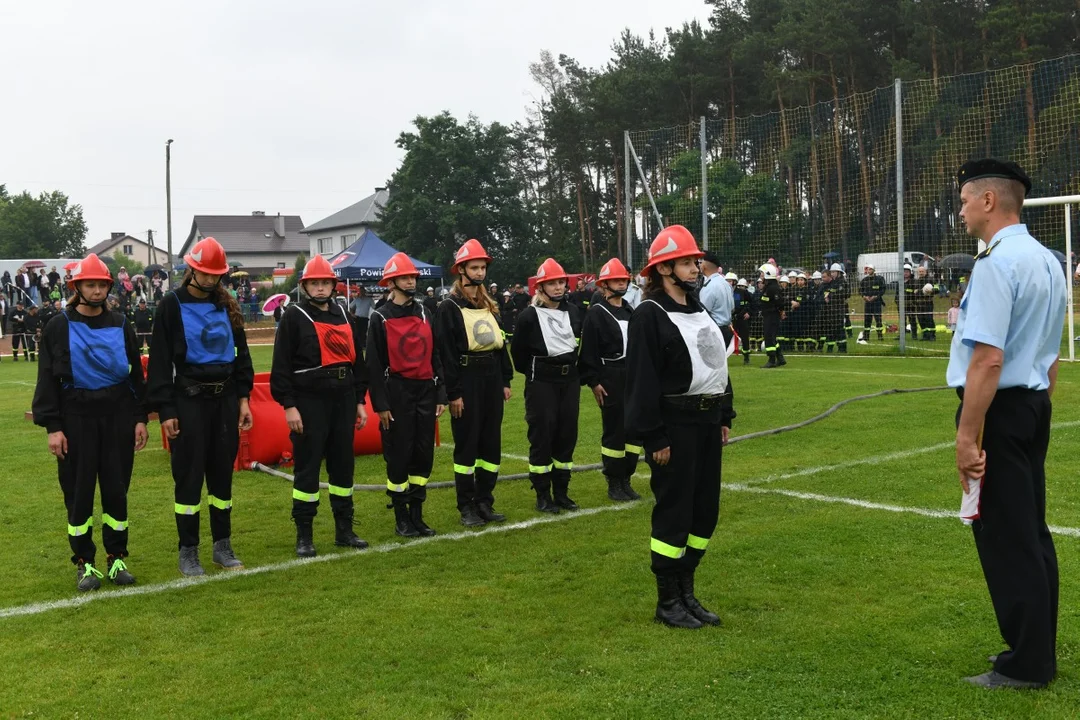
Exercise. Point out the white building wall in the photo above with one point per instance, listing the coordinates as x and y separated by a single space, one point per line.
334 241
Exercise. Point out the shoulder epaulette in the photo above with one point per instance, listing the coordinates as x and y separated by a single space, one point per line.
986 252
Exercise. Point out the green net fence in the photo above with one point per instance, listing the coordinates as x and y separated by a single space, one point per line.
813 185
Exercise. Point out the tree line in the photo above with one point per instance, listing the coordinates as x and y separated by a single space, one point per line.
551 184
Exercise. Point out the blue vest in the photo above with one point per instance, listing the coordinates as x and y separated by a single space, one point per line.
98 358
208 334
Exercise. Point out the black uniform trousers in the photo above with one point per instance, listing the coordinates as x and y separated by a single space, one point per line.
619 453
329 417
687 491
1015 547
409 444
101 449
28 344
770 324
551 412
871 311
478 432
205 449
742 327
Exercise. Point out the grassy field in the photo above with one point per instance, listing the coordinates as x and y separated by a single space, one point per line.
845 590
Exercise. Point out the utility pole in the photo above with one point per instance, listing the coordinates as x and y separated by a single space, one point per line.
151 255
168 208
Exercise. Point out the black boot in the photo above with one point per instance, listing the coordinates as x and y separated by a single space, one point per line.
416 514
403 524
344 535
305 547
686 585
628 490
880 335
780 361
470 517
488 514
544 502
562 486
669 604
615 489
772 360
841 347
746 358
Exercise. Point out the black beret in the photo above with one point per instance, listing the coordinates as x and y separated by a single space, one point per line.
711 257
991 168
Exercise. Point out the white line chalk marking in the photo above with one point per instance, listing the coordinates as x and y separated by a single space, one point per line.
182 583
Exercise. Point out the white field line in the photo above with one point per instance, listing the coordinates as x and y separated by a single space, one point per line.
857 372
948 514
877 459
183 583
16 382
521 458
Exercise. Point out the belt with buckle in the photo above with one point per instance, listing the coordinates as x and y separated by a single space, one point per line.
693 402
615 362
476 359
546 369
192 388
334 372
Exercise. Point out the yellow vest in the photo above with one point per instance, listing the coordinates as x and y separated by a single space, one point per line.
482 330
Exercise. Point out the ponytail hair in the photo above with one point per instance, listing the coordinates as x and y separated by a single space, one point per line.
222 299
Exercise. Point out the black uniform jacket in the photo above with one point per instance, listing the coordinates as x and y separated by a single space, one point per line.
659 364
168 358
296 347
378 357
54 397
453 343
601 338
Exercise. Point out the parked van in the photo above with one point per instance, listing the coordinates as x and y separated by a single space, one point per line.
886 264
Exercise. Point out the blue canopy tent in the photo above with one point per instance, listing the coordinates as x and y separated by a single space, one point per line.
365 259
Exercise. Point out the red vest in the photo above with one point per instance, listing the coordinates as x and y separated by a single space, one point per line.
409 343
336 345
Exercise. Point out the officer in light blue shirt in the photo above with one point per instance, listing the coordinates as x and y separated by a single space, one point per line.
1003 363
716 294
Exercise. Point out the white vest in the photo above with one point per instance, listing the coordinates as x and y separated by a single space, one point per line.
708 356
558 333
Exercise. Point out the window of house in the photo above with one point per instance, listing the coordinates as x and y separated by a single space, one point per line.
281 265
129 250
326 246
347 240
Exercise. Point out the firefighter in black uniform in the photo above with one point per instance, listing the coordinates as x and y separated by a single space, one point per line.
678 400
199 379
910 303
33 326
319 377
799 309
740 317
872 289
817 310
17 328
835 308
406 392
545 352
757 333
143 317
602 366
89 398
783 336
478 373
772 312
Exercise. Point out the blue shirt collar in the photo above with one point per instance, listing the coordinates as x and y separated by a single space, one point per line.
1008 231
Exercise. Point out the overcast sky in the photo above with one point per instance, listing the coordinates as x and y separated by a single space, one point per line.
286 106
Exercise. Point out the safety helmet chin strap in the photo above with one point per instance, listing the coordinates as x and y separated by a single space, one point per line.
84 301
206 289
686 287
557 299
469 281
410 294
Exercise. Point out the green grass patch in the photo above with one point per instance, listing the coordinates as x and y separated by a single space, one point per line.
829 610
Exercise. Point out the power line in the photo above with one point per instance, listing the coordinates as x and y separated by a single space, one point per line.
156 187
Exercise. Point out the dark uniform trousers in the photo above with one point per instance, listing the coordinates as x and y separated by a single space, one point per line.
619 455
871 311
1014 544
329 418
687 491
101 449
409 444
551 412
742 328
770 324
205 448
478 432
